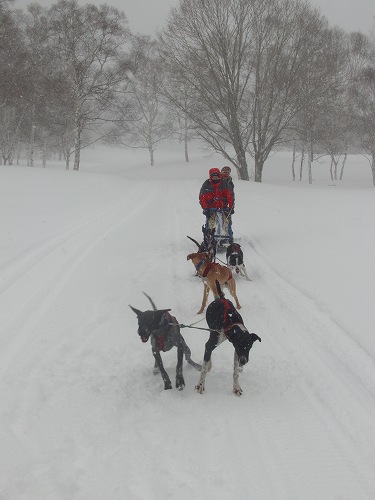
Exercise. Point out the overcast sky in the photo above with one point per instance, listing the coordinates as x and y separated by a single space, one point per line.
145 16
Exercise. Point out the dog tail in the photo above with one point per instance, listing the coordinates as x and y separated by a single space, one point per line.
152 302
192 239
219 290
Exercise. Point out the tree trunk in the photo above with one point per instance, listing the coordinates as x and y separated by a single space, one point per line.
335 162
67 153
78 138
342 166
18 152
301 164
331 168
44 152
243 173
259 162
77 150
310 161
293 162
32 138
151 156
186 140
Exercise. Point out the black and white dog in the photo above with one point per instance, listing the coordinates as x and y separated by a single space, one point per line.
235 261
164 331
225 322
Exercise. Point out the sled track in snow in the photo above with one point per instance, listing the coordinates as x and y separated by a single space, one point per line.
299 385
325 368
34 278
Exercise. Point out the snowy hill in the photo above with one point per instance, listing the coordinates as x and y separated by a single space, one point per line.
83 417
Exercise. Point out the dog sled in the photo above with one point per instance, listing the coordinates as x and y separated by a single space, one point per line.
219 220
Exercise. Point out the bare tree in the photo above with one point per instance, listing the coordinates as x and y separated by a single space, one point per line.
323 84
206 44
289 39
338 120
14 81
186 129
10 121
151 122
365 106
40 62
87 42
245 61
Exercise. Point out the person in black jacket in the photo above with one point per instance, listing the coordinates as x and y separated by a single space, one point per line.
225 175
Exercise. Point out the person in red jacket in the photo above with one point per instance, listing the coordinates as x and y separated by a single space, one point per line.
215 193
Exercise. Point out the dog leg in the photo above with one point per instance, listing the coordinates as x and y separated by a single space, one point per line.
180 382
206 367
232 289
206 291
214 340
164 374
243 272
236 387
156 369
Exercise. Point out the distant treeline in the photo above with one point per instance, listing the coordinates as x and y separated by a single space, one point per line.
245 76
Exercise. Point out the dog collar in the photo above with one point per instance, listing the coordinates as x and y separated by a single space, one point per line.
200 263
240 325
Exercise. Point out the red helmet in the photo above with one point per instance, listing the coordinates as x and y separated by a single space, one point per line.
214 171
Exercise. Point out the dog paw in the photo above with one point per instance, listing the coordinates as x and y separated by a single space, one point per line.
167 386
237 391
200 388
180 384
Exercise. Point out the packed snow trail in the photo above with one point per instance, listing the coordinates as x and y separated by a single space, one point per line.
83 416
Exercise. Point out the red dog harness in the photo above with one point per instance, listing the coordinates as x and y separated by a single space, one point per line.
209 266
162 338
225 318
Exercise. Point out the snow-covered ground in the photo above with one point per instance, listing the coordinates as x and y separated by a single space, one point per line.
83 417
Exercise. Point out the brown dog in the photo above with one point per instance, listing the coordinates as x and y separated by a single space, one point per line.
210 272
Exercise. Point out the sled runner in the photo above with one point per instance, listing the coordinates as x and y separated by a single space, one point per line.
219 220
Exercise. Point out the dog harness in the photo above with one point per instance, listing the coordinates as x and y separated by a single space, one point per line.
225 318
210 265
167 322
